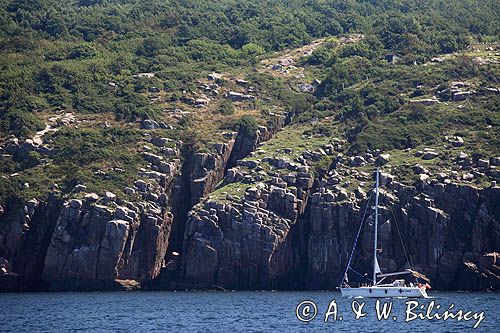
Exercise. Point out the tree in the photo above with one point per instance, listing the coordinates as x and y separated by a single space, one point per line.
82 52
252 50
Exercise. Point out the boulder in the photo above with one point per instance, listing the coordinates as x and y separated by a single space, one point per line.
252 164
419 169
152 158
79 188
161 142
164 125
306 88
342 195
149 124
382 159
386 178
91 197
12 146
429 155
76 204
357 161
359 193
461 95
467 176
457 141
425 101
25 148
129 191
252 193
442 176
482 163
109 196
423 178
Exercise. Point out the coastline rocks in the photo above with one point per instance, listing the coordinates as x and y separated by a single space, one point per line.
91 247
266 241
241 243
207 169
25 227
436 247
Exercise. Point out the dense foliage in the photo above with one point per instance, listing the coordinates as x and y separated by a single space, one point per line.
85 56
64 54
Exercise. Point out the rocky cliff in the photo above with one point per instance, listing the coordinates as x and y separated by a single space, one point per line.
276 224
87 241
93 245
278 237
83 244
449 231
279 219
81 240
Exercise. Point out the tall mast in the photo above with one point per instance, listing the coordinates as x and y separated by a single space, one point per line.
376 229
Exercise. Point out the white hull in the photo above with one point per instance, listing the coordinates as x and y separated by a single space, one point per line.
378 290
382 292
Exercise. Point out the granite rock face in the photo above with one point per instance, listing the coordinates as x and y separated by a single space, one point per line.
285 226
282 237
207 169
24 241
91 242
245 144
82 245
243 244
443 227
93 245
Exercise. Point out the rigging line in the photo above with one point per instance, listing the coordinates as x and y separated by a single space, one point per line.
357 236
407 256
363 276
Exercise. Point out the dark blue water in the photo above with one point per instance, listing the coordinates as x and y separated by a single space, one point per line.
226 312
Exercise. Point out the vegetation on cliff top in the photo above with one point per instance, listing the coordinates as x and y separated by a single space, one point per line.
114 63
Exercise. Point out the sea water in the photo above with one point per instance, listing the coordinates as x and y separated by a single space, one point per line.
258 311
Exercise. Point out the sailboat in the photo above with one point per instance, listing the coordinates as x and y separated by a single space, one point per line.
377 288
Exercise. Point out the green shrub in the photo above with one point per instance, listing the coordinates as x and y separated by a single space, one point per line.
248 126
226 107
20 123
82 52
